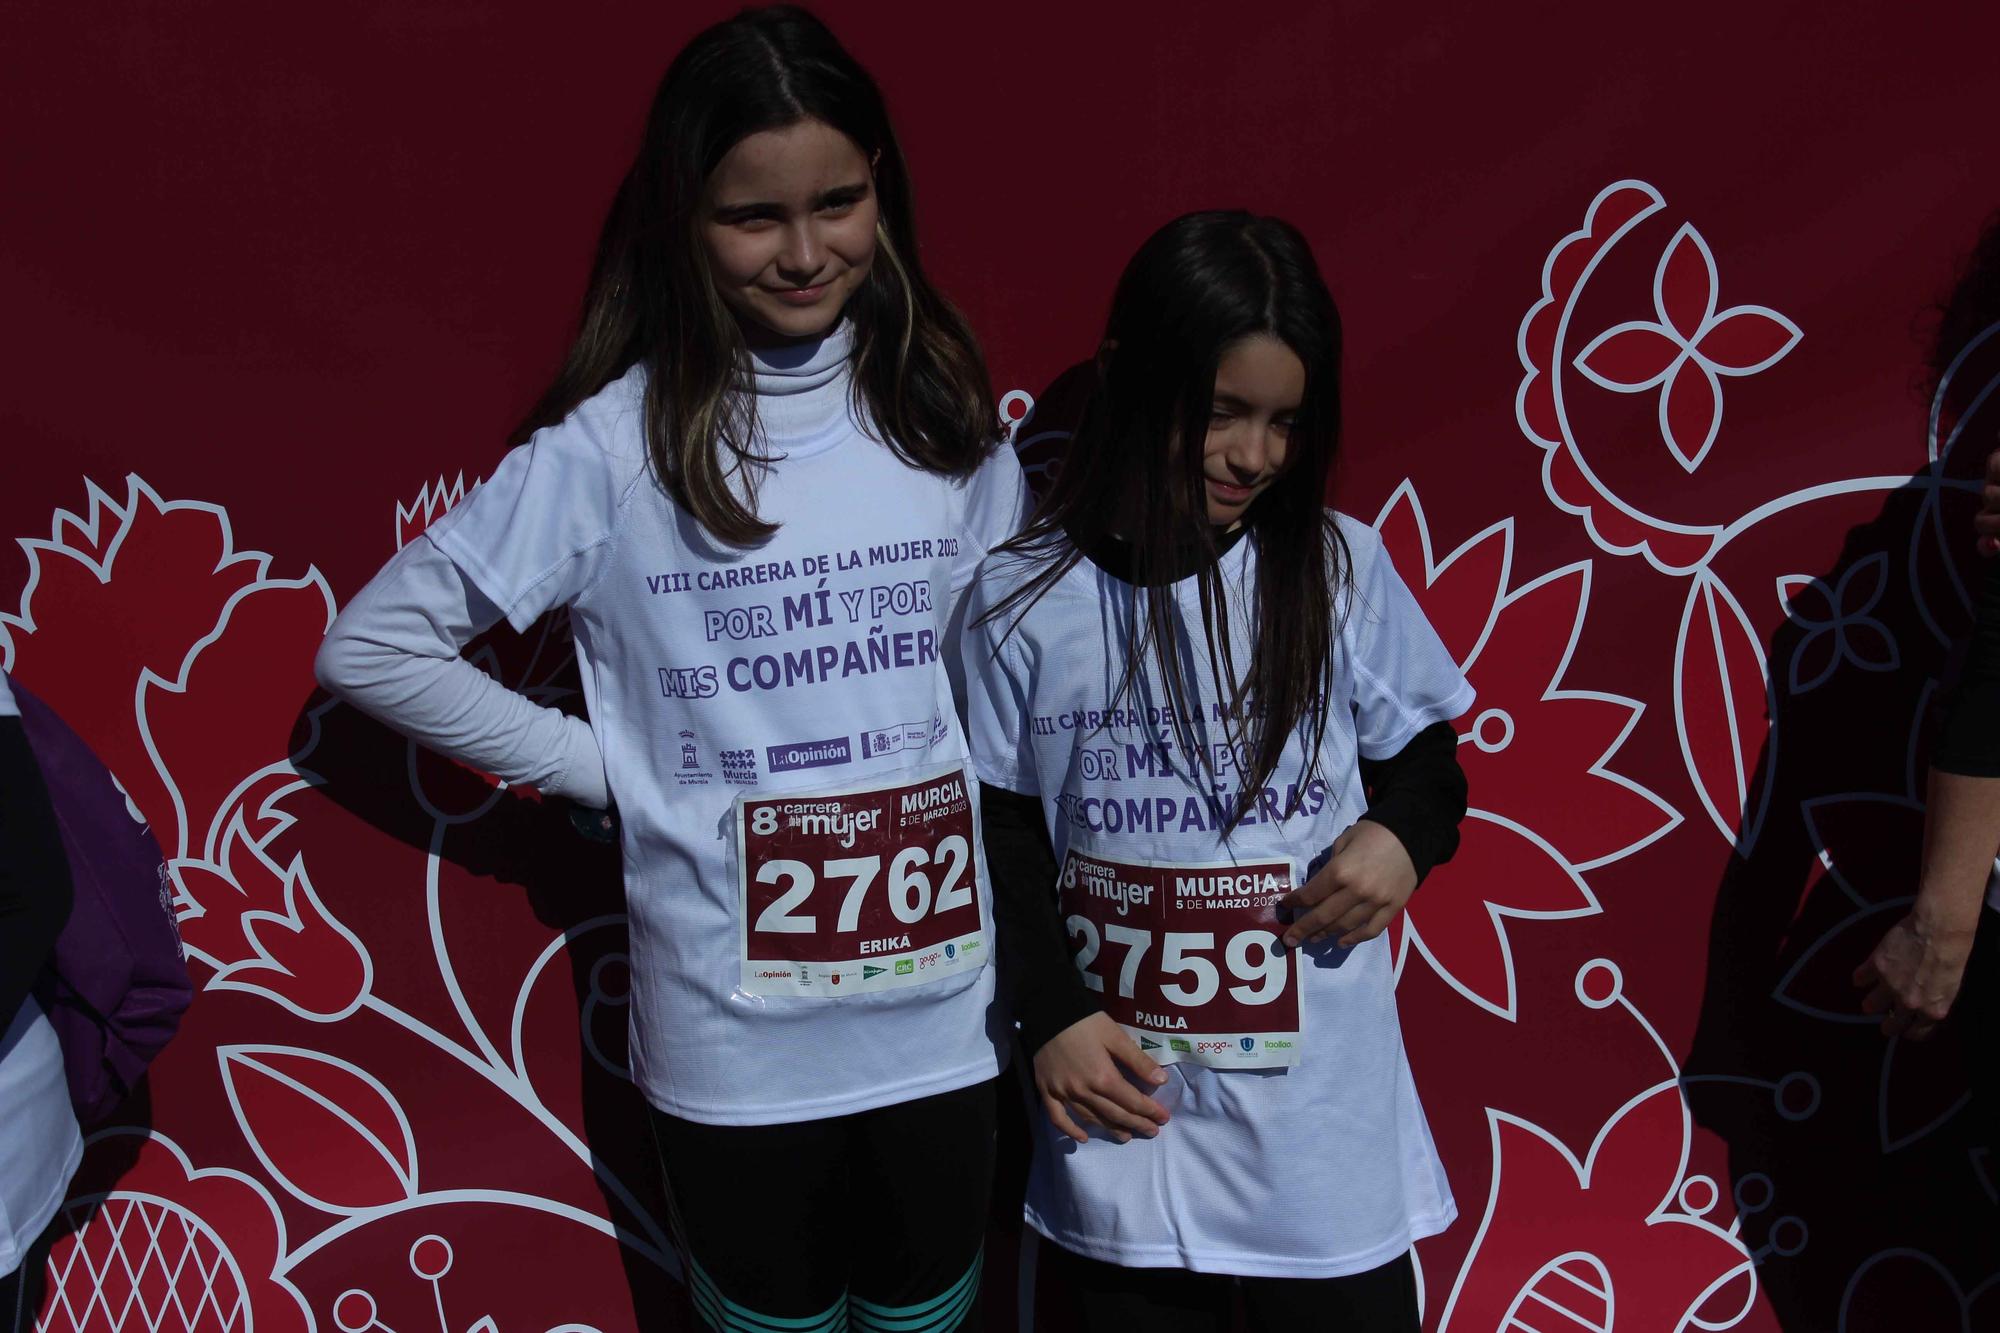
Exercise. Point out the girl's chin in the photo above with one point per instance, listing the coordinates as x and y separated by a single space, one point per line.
1225 509
775 323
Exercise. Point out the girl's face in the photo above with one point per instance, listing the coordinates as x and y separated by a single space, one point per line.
1259 385
789 225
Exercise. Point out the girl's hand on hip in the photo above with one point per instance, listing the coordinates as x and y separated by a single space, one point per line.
1078 1078
1357 892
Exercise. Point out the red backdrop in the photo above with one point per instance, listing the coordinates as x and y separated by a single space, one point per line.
1634 302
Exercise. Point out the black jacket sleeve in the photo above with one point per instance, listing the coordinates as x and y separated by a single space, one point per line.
35 886
1968 740
1037 979
1418 794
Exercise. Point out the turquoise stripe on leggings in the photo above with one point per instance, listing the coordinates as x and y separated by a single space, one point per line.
939 1314
727 1316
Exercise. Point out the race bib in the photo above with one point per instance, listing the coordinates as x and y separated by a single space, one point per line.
1187 959
860 888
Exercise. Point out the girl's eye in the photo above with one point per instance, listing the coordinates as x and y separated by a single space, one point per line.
1281 426
839 210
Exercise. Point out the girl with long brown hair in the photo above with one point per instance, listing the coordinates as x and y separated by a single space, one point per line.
763 476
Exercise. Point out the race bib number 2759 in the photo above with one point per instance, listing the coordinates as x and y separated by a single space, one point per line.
1187 959
860 888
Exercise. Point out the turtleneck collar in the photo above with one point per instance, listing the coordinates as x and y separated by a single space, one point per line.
1116 557
803 390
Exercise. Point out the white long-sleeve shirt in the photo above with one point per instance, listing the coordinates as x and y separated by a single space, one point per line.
394 654
796 673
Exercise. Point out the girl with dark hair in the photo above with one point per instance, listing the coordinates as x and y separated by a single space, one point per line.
1187 676
759 484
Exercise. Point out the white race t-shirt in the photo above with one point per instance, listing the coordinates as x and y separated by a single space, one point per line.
813 663
1319 1168
39 1143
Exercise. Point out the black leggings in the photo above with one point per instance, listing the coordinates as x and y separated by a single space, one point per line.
873 1222
1173 1300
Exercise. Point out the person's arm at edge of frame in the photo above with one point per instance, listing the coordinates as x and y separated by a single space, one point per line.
1914 973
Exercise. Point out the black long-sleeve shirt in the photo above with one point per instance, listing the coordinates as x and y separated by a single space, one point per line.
1968 739
35 885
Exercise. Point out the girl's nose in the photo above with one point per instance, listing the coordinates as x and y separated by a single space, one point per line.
1249 454
801 256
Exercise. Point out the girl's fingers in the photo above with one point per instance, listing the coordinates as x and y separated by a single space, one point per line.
1060 1119
1353 919
1310 893
1867 974
1122 1123
1127 1053
1376 925
1133 1102
1877 1000
1316 922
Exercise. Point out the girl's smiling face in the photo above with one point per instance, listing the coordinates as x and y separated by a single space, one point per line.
1259 384
789 227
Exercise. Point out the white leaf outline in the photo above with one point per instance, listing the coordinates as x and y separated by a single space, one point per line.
1583 1169
1966 1299
1564 444
77 538
433 498
1410 932
404 1167
1706 589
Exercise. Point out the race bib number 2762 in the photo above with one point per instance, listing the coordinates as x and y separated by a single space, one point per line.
860 888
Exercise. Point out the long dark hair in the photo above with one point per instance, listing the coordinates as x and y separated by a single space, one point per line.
1972 307
918 372
1199 285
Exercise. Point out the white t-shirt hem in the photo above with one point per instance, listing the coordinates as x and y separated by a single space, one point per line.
36 1220
515 606
1451 709
963 1076
1241 1264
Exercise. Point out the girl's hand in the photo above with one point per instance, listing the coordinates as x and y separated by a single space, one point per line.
1077 1074
1914 974
1358 891
594 825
